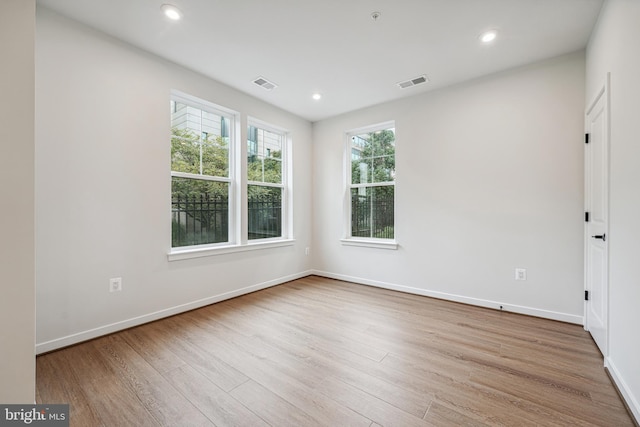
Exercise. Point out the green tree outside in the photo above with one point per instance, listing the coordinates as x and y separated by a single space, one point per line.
190 153
264 169
376 161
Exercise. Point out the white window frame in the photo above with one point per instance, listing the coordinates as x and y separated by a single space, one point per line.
348 239
285 185
237 179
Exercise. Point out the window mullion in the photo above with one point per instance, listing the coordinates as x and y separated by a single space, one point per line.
240 153
373 184
200 177
265 184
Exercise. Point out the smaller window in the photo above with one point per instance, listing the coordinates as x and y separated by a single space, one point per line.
371 182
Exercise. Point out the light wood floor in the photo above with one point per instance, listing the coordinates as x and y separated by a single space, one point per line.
323 352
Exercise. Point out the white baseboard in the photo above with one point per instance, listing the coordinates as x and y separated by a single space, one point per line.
146 318
623 388
530 311
118 326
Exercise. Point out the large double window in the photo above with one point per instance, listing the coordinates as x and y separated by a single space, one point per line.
371 183
209 180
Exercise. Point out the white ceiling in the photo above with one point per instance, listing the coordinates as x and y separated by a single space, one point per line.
335 47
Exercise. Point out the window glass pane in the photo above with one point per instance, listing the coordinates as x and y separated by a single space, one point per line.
373 157
383 169
264 212
199 141
264 156
215 156
185 151
224 127
372 212
200 212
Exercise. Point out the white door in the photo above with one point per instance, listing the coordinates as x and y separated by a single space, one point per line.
597 221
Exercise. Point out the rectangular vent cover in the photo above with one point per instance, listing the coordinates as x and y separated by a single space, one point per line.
413 82
265 84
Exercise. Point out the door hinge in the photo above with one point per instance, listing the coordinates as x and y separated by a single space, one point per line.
586 138
586 217
586 295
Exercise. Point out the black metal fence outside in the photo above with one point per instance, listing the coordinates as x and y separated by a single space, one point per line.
372 216
199 219
264 216
202 219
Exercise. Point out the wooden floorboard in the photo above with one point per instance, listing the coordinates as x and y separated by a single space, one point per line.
321 352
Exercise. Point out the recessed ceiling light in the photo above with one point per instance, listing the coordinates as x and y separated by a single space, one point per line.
171 12
488 36
316 96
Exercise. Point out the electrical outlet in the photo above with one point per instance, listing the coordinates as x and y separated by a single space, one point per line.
306 251
115 284
521 274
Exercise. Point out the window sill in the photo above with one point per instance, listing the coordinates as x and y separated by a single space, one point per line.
371 243
180 254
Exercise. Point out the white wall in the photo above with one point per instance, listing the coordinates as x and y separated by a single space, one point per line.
614 48
489 178
103 188
17 312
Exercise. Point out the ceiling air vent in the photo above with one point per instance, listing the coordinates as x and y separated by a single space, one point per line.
265 84
413 82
